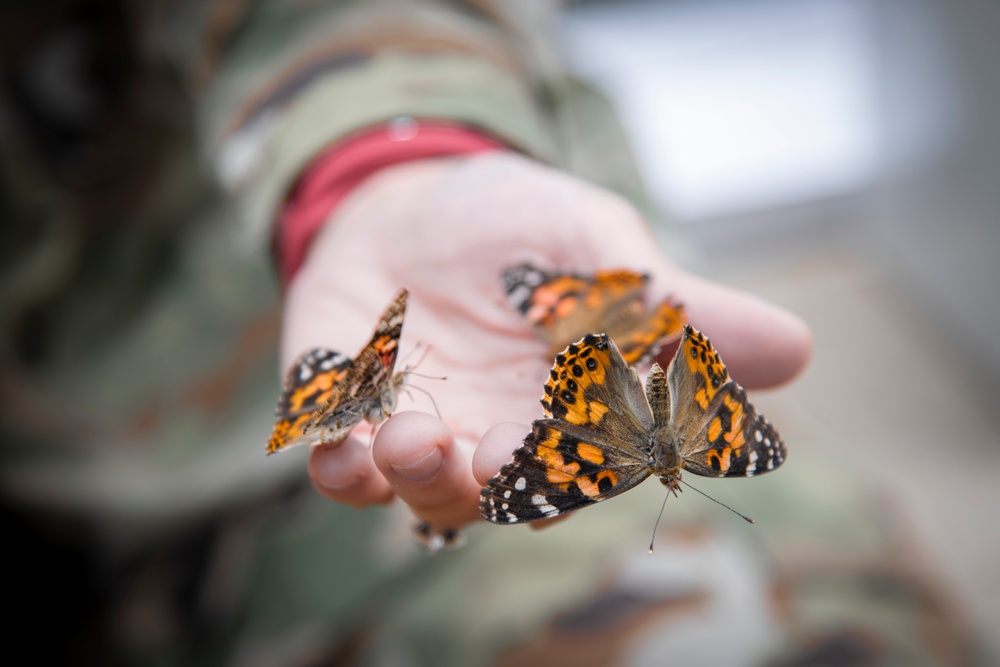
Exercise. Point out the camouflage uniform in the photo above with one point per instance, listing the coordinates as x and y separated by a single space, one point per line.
139 328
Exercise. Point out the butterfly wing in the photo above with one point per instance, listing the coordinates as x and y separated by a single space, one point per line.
591 447
369 383
737 441
559 468
562 307
719 433
695 375
308 385
590 385
641 341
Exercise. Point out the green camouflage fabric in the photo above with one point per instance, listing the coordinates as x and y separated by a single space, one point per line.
138 375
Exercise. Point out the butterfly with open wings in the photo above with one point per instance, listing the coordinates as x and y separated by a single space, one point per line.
603 434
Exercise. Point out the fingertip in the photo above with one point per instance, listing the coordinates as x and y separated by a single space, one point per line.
495 449
418 457
796 339
762 344
770 349
344 473
336 466
413 445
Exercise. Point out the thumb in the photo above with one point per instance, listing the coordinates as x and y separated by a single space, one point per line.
762 344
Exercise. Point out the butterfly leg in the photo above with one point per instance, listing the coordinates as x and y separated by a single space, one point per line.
448 538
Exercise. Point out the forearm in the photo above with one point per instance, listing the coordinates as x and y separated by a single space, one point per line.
280 86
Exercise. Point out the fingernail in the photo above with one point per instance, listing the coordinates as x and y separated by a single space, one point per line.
422 469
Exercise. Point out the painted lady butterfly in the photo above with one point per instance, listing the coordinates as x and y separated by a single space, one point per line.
602 434
327 393
564 306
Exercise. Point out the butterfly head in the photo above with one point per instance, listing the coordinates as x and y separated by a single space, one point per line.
665 458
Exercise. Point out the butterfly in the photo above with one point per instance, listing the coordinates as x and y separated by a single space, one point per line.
326 393
564 306
602 434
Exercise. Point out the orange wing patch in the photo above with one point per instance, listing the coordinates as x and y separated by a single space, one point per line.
576 369
308 385
643 341
703 361
555 300
561 472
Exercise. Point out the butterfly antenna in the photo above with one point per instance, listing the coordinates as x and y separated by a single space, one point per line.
423 355
426 377
409 370
415 348
743 516
433 402
655 525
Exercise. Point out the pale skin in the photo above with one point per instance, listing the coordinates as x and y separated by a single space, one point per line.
445 229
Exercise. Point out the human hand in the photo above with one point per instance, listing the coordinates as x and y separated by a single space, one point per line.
446 229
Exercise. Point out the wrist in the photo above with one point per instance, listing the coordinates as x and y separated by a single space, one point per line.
343 166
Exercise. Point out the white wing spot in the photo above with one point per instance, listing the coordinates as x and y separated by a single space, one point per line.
539 499
519 294
521 484
533 278
304 372
758 435
505 507
511 518
506 494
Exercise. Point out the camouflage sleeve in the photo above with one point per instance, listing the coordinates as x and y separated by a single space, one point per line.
276 84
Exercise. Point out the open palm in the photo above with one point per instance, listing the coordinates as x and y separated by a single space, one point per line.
446 229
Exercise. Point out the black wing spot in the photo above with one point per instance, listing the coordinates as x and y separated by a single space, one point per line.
591 364
604 484
567 446
572 385
568 396
577 370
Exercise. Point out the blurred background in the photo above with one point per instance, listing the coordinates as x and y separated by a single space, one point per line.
841 158
837 157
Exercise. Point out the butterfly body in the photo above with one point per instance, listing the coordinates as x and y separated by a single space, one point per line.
327 393
604 433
